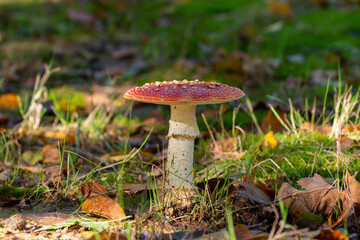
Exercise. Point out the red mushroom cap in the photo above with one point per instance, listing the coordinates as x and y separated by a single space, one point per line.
184 92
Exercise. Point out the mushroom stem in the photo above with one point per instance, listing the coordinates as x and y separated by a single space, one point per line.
182 132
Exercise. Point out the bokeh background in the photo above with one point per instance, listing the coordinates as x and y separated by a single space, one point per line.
273 49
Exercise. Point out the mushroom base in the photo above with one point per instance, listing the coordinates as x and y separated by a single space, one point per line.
180 198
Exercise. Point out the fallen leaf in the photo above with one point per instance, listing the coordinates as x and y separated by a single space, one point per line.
249 191
47 218
87 223
31 157
68 107
51 153
15 222
91 188
352 132
110 235
318 198
36 169
322 197
271 122
325 129
331 235
280 8
268 186
103 206
269 140
352 128
242 232
9 101
308 127
353 186
345 141
60 136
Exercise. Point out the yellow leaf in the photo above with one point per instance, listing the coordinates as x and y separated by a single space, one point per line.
59 135
270 140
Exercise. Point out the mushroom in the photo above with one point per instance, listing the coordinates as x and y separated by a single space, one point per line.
182 96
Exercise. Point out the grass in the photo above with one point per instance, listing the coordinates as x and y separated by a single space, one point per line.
298 154
183 44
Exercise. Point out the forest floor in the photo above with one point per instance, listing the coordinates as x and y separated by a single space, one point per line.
78 161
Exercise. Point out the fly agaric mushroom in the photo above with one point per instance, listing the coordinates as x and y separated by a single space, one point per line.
182 96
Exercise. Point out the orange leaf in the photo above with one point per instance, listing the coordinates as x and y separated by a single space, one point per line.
331 235
9 101
59 135
103 206
67 107
271 122
92 188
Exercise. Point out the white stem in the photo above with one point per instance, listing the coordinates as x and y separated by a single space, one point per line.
182 132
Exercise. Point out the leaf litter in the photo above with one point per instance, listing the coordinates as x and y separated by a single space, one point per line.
70 157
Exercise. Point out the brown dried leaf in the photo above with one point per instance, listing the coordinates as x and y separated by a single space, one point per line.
91 188
353 186
318 198
242 232
271 122
15 222
293 199
249 191
51 153
322 197
103 206
308 127
345 141
49 218
269 186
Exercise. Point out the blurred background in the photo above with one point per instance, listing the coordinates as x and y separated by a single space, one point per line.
273 49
